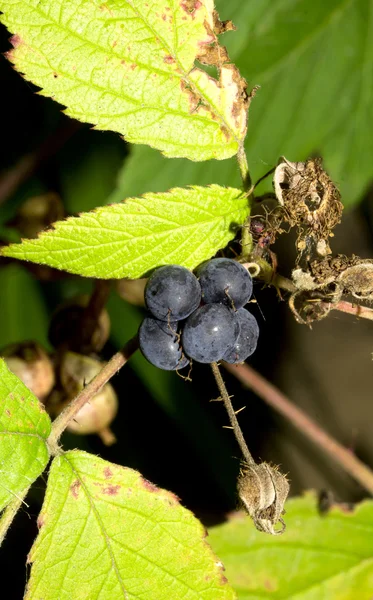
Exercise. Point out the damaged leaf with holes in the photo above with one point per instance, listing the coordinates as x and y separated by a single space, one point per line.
135 68
106 532
24 429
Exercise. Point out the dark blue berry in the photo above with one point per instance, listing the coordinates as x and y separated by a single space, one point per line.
209 332
172 293
160 344
225 280
247 340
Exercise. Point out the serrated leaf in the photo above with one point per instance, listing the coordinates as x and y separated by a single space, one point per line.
319 556
24 428
314 63
183 226
105 533
130 67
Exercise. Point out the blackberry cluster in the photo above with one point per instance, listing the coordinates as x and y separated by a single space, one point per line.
198 316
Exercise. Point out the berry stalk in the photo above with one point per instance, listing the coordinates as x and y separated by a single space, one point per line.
232 415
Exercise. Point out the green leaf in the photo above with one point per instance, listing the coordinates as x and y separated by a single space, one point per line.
130 67
24 428
314 63
105 533
328 556
183 226
87 169
18 324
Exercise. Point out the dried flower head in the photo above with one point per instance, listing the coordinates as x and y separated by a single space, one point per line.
262 490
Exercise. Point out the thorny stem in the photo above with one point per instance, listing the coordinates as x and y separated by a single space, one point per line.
10 512
232 415
91 389
277 400
363 312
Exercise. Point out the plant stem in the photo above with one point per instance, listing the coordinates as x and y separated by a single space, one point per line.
246 237
91 389
232 415
10 512
244 168
364 312
277 400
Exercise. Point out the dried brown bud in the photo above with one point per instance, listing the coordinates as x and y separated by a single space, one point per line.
132 290
65 327
310 306
30 362
262 490
358 280
96 415
37 213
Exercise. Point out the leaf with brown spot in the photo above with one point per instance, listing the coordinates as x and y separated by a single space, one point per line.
142 544
74 488
108 473
83 55
327 556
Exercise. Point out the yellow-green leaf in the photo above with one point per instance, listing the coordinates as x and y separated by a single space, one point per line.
313 61
184 226
24 428
106 533
130 66
318 557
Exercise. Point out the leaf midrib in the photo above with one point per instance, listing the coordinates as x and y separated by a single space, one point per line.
36 435
212 107
108 540
59 234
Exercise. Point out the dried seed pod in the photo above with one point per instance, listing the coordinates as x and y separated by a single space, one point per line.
262 490
287 176
65 327
311 202
358 280
30 362
309 196
96 415
309 306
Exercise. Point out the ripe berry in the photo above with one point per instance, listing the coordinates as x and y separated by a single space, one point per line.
247 340
209 332
160 344
172 292
225 280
